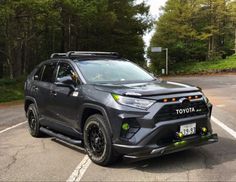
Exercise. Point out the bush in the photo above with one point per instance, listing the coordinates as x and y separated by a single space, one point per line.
222 65
11 90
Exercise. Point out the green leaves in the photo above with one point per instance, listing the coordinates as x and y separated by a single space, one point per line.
195 30
30 30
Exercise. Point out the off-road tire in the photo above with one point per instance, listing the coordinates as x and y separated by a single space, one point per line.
108 155
33 121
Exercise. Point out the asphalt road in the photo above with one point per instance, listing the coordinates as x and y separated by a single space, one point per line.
24 158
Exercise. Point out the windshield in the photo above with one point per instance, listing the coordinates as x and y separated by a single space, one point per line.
105 71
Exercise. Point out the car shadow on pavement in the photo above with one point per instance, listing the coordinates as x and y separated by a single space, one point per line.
205 157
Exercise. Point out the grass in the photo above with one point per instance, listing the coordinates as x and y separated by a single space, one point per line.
11 90
224 65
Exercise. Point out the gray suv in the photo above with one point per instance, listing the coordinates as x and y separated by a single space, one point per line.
114 108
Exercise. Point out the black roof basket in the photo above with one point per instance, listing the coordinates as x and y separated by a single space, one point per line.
83 54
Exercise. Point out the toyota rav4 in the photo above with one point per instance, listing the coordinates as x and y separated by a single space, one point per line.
113 108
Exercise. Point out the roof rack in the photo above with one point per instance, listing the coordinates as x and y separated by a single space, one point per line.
83 54
90 53
55 55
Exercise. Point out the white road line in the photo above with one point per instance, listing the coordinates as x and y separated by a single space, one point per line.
7 129
80 170
85 163
220 105
222 125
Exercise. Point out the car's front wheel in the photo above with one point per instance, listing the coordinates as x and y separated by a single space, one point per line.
97 141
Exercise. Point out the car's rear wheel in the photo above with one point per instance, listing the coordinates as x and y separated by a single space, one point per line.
33 121
97 141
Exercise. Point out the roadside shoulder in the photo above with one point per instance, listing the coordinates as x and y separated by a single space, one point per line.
5 105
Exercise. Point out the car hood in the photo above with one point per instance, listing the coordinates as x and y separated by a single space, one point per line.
147 88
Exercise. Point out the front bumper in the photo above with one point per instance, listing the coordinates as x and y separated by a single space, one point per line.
153 132
149 151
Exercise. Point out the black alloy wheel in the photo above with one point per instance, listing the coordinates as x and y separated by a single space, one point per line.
32 121
98 141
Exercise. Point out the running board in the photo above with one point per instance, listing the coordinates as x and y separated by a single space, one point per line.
60 136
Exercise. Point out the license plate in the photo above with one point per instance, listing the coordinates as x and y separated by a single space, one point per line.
188 129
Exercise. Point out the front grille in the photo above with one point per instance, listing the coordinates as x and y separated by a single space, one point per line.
168 112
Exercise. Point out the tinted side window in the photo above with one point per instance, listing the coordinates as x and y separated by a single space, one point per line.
65 72
49 72
38 74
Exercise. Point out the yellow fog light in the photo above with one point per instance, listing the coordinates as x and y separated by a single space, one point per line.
180 135
204 130
125 126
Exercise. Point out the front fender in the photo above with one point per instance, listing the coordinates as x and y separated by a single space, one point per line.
95 107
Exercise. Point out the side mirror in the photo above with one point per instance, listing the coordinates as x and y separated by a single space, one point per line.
61 84
69 82
66 82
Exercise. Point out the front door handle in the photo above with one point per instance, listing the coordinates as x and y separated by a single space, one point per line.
35 88
54 93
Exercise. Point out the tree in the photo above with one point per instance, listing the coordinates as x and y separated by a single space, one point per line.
232 10
193 30
33 29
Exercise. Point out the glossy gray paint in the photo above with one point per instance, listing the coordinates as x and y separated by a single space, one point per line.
61 111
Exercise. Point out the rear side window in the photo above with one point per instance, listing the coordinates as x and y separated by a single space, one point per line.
48 73
38 74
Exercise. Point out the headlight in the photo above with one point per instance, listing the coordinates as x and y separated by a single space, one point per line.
133 102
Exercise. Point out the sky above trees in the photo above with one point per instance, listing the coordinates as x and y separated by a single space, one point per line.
155 6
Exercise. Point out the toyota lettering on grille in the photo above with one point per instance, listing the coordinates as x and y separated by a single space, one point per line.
186 110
